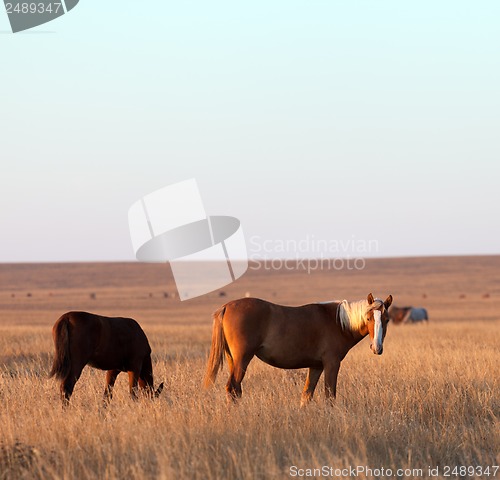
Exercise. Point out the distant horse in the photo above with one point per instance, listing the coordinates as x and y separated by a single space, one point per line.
315 336
408 315
399 314
112 344
417 314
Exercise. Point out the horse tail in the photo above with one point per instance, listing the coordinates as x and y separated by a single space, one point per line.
219 345
62 360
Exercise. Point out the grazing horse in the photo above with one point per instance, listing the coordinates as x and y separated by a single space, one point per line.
408 315
112 344
315 336
399 314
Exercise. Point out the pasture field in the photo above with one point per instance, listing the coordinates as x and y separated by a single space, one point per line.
431 400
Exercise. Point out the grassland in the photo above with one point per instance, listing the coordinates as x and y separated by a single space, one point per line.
432 398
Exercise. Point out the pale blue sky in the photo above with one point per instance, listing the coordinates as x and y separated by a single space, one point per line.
332 119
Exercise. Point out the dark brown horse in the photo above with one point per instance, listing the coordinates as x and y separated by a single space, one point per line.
112 344
315 336
408 314
399 314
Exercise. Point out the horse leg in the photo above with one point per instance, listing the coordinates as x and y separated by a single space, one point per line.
239 366
331 374
133 381
68 384
230 382
311 382
230 362
110 383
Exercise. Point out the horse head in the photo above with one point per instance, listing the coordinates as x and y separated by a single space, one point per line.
377 317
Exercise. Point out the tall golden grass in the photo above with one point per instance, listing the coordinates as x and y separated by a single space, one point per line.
432 399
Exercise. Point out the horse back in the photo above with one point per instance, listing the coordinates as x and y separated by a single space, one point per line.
107 342
255 312
275 330
418 314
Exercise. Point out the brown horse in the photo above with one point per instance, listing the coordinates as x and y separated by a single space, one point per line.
408 315
315 336
112 344
399 314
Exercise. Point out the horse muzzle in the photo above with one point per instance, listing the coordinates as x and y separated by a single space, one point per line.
375 350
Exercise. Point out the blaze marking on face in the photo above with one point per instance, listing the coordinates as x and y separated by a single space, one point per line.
379 331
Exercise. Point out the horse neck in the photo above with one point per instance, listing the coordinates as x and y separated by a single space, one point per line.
352 335
355 336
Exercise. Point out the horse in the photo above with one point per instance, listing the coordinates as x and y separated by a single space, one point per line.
408 314
399 314
316 336
417 314
114 344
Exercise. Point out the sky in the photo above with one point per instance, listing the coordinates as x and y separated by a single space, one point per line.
353 123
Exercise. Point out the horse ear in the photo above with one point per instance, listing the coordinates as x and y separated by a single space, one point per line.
388 301
370 299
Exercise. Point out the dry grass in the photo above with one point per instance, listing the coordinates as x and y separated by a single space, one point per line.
430 399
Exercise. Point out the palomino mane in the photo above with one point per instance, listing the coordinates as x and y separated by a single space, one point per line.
352 315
